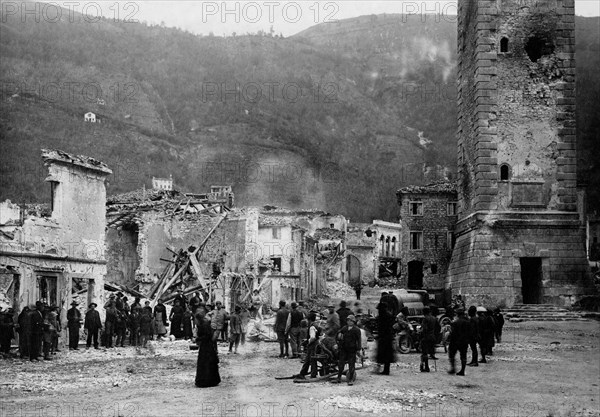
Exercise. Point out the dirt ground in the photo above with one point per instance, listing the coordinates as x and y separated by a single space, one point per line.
540 369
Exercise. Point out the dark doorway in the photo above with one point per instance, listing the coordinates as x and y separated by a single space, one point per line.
531 280
415 275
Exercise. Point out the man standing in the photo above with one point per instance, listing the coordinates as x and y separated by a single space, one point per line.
235 326
385 342
195 302
499 319
110 323
333 321
292 328
349 342
217 321
427 339
73 324
36 330
93 325
6 330
54 319
313 336
24 329
459 342
343 312
393 303
281 319
181 298
473 335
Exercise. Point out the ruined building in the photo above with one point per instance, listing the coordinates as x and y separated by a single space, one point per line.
373 253
159 240
55 254
520 238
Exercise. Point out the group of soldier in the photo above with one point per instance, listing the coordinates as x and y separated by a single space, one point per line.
481 328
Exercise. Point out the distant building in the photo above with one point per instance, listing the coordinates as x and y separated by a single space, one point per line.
373 252
163 183
428 216
89 117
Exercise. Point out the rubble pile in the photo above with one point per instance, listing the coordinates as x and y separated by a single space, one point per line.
336 289
388 401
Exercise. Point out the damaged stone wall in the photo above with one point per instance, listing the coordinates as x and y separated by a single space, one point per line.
363 247
45 254
122 255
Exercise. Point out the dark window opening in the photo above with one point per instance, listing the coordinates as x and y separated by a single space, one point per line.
538 47
332 226
436 241
53 185
292 266
504 172
276 264
504 45
433 268
47 289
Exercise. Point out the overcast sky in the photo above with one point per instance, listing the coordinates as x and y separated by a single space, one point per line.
241 17
286 17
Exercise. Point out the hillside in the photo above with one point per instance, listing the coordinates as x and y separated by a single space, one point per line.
337 117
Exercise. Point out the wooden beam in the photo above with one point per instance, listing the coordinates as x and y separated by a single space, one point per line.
186 264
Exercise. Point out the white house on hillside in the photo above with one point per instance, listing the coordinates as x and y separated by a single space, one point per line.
89 117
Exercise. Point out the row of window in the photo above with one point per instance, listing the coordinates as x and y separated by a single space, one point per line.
387 246
416 240
415 208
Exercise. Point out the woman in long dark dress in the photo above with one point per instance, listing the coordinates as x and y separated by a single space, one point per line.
176 318
207 369
385 342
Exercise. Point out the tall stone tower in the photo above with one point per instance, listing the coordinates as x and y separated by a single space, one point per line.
520 238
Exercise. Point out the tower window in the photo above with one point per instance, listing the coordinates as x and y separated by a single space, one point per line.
504 44
504 172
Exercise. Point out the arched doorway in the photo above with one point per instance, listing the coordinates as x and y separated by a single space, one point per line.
353 269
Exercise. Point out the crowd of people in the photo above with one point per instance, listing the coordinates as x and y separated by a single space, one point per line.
299 330
38 328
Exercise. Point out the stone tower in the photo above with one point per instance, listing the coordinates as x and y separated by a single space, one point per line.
519 237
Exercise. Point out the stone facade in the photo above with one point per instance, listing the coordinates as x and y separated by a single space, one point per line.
428 216
519 235
57 255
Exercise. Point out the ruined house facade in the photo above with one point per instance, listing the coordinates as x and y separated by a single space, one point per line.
282 252
57 255
428 216
520 238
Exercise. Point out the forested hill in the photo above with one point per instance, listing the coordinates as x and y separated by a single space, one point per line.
306 121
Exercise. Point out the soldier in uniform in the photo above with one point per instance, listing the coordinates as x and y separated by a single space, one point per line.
474 335
428 339
459 342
